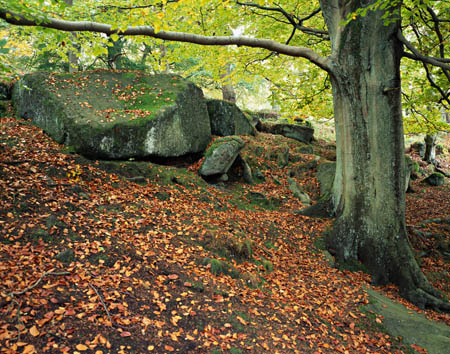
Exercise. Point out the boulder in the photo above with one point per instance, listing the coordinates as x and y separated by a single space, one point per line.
297 192
409 164
303 133
221 156
227 119
117 115
325 176
5 91
435 179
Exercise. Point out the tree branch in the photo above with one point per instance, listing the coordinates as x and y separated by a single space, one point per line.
96 27
416 55
293 20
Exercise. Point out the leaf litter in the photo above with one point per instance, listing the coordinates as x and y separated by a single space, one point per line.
90 262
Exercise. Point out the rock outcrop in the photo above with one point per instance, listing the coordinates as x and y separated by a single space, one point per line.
117 115
220 156
303 133
227 119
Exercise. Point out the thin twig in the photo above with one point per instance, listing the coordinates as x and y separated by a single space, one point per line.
103 303
15 293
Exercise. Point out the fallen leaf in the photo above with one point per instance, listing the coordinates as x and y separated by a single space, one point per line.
81 347
125 334
34 331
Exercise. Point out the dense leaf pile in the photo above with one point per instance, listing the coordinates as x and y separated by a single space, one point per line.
90 262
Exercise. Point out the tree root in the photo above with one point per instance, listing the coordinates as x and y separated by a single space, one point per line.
424 299
322 209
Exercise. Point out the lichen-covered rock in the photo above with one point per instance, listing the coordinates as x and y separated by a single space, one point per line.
325 176
297 192
435 179
117 115
221 155
303 133
227 119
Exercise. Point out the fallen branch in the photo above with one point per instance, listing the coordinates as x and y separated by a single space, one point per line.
103 302
15 293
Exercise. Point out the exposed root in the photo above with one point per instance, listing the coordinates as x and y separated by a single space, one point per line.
423 299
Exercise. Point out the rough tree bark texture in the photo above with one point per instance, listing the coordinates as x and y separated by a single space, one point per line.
368 192
228 92
430 148
72 55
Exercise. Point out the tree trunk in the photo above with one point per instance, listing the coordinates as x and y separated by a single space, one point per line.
72 55
430 148
228 92
369 186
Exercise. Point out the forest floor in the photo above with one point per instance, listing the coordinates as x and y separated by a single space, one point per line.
91 262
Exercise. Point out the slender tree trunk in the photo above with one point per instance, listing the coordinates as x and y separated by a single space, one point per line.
228 92
369 187
430 148
72 55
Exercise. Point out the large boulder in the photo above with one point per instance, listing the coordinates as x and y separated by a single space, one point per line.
227 119
303 133
117 115
221 156
325 176
435 179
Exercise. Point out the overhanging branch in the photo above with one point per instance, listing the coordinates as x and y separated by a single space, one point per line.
416 55
88 26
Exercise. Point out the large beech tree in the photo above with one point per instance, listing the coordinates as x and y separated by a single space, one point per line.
366 45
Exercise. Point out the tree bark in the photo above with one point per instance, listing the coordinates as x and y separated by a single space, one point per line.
228 92
72 55
369 186
430 148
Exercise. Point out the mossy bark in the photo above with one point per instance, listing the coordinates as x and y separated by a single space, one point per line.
369 187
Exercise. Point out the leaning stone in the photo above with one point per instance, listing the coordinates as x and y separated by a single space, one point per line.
227 119
221 155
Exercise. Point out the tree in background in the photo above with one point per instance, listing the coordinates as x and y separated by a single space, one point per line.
366 43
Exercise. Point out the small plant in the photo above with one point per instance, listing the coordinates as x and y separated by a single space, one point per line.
268 266
74 174
217 267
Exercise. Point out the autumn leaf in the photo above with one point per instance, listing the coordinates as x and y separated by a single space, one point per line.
34 331
81 347
125 334
240 319
29 349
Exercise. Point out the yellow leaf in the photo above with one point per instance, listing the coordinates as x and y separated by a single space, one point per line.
34 331
160 15
114 37
29 349
81 347
150 348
